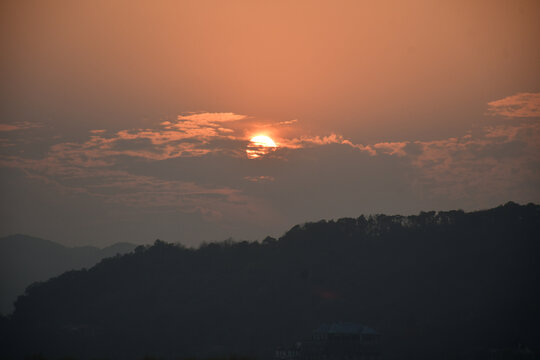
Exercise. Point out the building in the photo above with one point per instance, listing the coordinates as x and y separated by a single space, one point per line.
337 341
292 353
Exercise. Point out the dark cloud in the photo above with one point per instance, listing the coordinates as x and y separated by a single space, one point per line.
191 170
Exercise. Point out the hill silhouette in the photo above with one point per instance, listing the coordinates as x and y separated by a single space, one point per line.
446 285
26 259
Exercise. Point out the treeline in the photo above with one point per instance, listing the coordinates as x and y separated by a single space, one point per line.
436 285
41 357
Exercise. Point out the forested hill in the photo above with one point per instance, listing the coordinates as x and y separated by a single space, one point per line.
26 259
446 285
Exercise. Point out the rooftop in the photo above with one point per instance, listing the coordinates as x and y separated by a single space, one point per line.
345 328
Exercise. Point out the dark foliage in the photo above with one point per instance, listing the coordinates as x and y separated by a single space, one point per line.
447 285
25 260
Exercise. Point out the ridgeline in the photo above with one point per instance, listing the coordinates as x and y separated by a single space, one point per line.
446 285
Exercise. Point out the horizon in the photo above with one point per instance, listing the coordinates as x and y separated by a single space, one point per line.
260 239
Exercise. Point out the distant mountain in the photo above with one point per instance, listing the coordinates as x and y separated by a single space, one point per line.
25 259
446 285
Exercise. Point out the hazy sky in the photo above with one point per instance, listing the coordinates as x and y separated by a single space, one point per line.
130 120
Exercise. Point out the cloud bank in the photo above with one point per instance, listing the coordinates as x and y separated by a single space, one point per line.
197 164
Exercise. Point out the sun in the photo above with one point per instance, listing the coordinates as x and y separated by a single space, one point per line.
260 145
263 140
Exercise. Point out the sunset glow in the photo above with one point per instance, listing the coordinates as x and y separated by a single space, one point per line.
260 145
241 118
262 140
279 180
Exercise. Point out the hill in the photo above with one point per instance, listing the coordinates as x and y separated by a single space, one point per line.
446 285
25 259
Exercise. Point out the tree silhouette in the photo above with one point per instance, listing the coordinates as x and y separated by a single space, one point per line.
439 284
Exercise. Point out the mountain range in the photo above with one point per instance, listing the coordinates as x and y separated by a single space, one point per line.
26 259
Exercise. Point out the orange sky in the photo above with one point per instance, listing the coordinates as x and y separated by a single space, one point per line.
383 78
376 69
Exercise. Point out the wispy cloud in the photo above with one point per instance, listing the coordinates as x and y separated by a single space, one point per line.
388 148
211 118
288 122
134 190
188 136
522 105
22 125
261 178
472 166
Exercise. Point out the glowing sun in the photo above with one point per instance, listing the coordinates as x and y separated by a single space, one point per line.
260 145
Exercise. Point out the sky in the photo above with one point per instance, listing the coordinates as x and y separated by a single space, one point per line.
131 120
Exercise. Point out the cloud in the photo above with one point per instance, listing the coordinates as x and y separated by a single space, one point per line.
9 127
262 178
522 105
145 192
194 135
107 166
211 118
500 160
190 136
114 166
311 141
389 148
288 122
317 140
22 125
